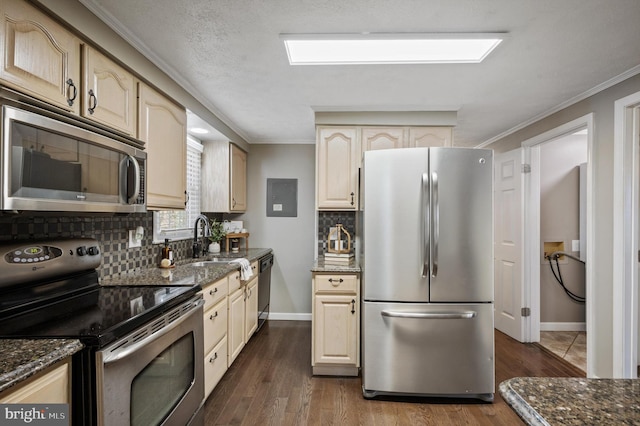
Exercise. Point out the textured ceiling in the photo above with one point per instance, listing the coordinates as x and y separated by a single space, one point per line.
229 55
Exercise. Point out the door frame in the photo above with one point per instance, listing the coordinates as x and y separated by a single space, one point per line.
531 239
626 176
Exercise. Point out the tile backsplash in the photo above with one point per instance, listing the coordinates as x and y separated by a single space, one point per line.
111 231
326 220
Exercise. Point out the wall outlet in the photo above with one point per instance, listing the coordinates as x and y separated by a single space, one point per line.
133 242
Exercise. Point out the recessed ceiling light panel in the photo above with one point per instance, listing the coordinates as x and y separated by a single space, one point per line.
333 49
198 130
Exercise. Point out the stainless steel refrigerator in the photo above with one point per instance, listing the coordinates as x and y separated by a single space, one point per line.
426 252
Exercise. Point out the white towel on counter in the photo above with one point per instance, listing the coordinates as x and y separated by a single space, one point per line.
245 268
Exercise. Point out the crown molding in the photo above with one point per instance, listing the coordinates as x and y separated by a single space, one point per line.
593 91
141 47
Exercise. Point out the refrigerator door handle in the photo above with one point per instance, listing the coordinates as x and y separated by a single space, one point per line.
426 210
435 222
431 315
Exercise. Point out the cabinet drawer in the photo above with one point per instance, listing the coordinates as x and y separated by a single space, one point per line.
212 293
215 324
234 281
215 365
336 283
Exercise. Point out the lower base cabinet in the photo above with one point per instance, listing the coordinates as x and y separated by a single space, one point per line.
335 331
215 365
50 386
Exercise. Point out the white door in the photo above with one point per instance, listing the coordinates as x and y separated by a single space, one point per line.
508 244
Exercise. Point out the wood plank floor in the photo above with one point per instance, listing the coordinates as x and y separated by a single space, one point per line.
270 383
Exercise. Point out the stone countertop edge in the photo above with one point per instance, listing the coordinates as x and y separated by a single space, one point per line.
520 406
183 273
22 358
319 265
573 400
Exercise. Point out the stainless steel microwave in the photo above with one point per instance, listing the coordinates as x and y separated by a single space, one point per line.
49 163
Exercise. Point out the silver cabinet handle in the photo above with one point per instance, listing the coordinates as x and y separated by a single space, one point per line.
431 315
435 223
426 211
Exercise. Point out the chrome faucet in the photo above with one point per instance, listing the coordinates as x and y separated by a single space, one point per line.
199 248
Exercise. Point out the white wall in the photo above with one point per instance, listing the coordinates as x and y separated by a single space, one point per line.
560 221
291 238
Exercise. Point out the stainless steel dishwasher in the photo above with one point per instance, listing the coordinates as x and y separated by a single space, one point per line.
264 288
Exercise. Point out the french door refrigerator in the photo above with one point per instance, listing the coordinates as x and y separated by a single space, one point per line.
426 253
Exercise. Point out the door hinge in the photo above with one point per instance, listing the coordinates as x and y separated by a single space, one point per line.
525 312
526 168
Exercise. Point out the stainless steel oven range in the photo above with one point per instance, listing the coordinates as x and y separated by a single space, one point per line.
143 359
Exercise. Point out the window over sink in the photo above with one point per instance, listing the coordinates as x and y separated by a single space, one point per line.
178 224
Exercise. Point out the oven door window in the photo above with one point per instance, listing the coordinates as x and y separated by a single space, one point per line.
48 165
160 386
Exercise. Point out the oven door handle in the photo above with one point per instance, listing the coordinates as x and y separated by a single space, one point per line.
125 351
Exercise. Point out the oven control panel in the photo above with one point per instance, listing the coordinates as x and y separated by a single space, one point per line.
30 261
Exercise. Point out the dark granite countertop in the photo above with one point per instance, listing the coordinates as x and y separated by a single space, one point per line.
183 273
22 358
573 401
320 266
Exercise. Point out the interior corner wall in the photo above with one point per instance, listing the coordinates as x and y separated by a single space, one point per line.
560 221
291 238
602 106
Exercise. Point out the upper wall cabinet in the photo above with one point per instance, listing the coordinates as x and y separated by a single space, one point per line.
224 178
339 152
382 138
430 136
338 160
109 92
163 126
238 184
40 57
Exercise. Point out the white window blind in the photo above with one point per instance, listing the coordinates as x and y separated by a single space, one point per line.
178 224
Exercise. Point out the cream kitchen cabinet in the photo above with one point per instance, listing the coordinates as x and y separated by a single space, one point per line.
335 337
109 92
236 330
40 57
50 386
374 138
224 178
215 321
243 311
251 308
338 159
430 136
162 125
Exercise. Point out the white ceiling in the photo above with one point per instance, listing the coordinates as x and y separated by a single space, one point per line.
228 54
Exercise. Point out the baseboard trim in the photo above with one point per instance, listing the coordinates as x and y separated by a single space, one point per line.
284 316
563 326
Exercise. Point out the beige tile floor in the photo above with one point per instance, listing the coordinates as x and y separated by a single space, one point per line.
569 345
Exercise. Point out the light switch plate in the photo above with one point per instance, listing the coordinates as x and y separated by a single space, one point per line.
575 245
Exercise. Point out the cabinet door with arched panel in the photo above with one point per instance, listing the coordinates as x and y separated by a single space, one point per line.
430 136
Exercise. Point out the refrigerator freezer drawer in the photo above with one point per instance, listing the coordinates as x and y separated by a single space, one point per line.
428 349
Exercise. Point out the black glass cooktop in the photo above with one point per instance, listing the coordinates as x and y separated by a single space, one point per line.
94 314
